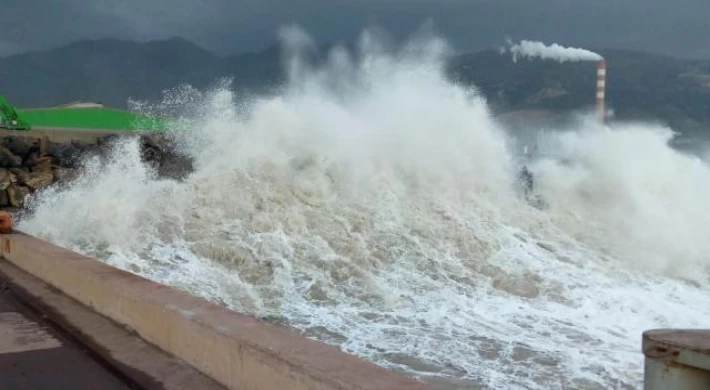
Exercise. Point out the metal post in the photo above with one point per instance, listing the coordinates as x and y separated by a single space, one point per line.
676 359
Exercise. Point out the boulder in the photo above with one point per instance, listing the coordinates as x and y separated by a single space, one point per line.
68 155
43 145
161 152
42 164
107 139
151 148
21 146
5 179
65 174
29 161
8 159
154 141
105 144
151 155
175 167
37 180
4 199
20 175
17 194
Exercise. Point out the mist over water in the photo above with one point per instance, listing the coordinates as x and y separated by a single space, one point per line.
641 200
374 205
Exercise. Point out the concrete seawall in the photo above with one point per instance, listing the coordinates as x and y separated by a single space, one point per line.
236 350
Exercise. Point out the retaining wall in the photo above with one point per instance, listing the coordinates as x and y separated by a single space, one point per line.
236 350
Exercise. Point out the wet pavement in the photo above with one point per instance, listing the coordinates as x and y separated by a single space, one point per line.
35 356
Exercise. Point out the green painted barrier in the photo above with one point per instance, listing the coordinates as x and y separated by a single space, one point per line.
93 118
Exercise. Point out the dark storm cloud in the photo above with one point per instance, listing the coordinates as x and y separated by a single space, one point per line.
677 27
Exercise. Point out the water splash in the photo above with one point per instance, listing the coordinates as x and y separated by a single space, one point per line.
373 204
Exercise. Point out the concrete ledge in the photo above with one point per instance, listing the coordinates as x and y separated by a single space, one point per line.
236 350
125 355
67 134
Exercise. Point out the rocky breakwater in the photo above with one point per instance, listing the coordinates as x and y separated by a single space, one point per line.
29 164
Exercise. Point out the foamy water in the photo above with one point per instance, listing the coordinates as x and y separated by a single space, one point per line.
374 205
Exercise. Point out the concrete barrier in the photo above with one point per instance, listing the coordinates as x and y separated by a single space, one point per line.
677 359
236 350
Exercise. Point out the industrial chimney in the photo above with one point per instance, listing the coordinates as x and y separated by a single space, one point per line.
601 90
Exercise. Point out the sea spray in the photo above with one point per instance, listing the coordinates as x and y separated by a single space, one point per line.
373 205
638 197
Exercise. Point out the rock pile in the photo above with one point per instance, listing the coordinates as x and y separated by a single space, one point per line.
29 164
162 153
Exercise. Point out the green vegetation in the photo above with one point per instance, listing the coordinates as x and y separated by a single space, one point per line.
92 118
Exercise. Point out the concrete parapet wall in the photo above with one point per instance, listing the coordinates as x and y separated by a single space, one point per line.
236 350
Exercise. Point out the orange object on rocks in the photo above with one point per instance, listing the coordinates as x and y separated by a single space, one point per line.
5 222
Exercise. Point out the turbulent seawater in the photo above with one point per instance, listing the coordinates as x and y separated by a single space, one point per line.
375 205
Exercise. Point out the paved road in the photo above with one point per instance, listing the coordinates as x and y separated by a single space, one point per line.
64 134
33 356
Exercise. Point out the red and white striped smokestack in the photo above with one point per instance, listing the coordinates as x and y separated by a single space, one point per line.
601 90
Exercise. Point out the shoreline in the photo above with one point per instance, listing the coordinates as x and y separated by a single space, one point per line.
33 160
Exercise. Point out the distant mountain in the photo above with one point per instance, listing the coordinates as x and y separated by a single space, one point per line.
112 71
640 85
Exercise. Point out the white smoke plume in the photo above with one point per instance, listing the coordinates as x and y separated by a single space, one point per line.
555 52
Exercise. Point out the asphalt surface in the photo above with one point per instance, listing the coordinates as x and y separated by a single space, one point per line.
35 356
62 134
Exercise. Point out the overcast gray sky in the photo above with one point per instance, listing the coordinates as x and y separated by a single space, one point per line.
677 27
